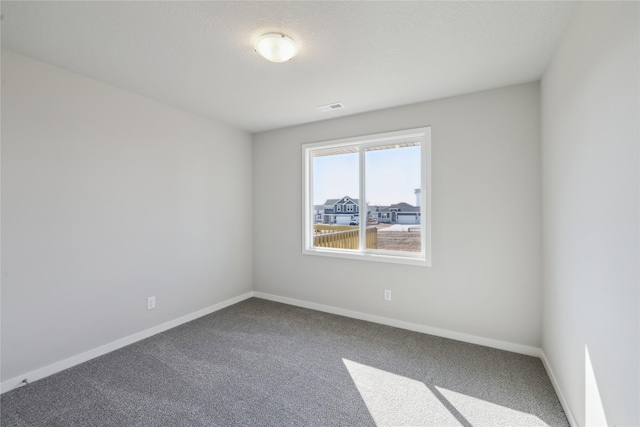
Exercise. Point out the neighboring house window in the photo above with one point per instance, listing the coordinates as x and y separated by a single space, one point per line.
384 172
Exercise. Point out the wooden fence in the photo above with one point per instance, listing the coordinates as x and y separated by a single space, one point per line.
342 236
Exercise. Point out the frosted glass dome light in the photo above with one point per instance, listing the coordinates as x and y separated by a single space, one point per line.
276 47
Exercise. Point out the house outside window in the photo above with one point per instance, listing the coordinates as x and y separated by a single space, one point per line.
384 180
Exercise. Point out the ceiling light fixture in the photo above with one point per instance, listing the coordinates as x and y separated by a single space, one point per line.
276 47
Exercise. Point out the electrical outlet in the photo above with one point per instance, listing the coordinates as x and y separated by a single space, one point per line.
151 303
387 294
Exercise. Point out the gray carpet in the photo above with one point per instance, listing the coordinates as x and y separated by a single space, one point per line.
260 363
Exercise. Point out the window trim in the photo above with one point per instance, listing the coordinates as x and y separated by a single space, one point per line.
422 134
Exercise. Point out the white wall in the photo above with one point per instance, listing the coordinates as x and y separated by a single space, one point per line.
108 198
486 274
590 96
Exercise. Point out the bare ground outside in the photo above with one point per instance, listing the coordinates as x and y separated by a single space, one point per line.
408 240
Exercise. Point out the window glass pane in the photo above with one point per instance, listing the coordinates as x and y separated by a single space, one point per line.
335 193
393 193
390 172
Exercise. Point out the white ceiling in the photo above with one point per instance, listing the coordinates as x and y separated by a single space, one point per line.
199 56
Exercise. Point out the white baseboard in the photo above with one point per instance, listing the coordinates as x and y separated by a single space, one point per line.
488 342
104 349
556 386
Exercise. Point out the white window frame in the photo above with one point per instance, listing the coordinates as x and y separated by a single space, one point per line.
423 258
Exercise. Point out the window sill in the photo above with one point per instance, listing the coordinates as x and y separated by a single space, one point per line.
390 257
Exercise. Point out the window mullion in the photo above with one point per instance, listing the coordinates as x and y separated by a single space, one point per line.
362 203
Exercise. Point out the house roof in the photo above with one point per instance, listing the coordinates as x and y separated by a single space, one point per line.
401 207
199 56
331 202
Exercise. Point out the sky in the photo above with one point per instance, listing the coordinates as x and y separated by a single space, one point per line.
391 176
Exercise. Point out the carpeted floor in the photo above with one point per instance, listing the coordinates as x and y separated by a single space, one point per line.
260 363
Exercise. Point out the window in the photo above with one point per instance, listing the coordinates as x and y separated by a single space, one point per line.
385 177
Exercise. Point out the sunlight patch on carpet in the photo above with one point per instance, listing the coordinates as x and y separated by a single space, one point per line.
394 400
480 412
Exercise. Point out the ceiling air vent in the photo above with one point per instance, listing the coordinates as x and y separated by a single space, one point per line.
330 107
